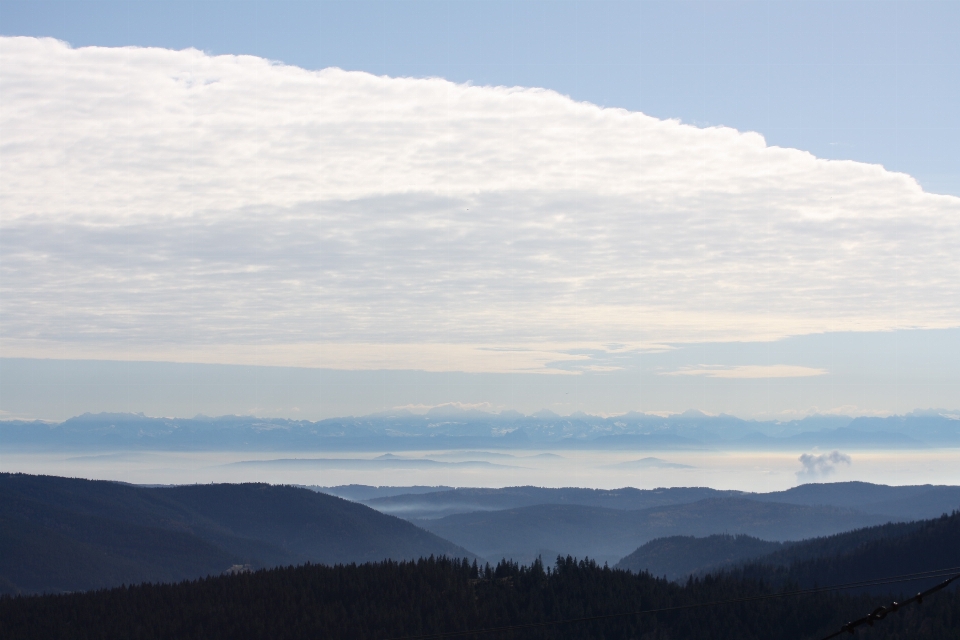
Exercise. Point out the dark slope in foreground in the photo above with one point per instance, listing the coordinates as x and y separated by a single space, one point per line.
62 534
609 534
391 600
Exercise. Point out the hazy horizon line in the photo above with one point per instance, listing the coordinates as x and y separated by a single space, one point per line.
457 409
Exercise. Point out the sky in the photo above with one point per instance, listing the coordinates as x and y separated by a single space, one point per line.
323 209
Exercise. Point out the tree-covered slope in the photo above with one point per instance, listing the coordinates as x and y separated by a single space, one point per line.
676 557
861 554
865 554
392 600
309 526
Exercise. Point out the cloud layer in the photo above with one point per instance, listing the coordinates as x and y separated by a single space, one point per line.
178 206
750 371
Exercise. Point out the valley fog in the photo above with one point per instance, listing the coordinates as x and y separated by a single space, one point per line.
756 471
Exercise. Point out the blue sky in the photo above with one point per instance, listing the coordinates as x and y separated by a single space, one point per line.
665 267
873 81
868 374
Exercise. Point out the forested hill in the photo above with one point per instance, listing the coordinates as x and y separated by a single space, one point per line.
676 557
866 554
63 534
863 554
391 600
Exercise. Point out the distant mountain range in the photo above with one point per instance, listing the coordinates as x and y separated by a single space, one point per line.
63 534
447 429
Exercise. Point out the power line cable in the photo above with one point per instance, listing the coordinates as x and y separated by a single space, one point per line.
882 612
951 572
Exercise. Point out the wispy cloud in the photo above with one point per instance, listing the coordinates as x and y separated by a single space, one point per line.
179 206
749 371
821 466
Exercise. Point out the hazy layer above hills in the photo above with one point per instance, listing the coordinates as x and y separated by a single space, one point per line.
466 500
902 503
61 534
454 429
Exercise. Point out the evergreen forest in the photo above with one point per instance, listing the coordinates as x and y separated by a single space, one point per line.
442 596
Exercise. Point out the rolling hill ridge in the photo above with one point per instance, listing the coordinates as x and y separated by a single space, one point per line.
63 534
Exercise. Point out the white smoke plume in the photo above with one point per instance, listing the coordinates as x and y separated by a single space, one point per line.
821 466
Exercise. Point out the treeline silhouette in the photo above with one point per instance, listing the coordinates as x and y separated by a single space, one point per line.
392 599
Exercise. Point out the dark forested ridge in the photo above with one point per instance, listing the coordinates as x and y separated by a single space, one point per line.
867 554
64 534
388 600
676 557
862 554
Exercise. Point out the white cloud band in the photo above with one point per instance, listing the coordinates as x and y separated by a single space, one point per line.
172 202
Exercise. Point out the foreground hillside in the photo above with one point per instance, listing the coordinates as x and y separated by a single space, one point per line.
63 534
390 600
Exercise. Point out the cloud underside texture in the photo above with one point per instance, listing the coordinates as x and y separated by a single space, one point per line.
174 205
